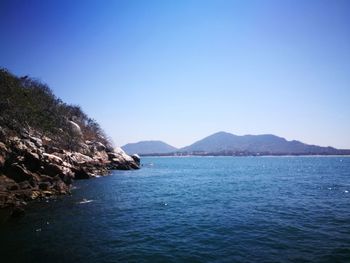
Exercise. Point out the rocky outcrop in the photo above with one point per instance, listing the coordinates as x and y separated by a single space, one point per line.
45 144
32 169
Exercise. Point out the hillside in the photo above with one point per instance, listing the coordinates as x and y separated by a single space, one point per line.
45 143
229 144
29 104
148 147
223 143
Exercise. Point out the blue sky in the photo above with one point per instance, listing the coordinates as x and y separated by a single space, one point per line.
180 70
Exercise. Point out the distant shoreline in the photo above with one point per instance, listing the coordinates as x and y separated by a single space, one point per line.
209 156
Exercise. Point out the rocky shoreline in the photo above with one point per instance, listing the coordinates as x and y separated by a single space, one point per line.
32 168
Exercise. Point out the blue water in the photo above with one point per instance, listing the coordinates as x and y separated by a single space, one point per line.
200 209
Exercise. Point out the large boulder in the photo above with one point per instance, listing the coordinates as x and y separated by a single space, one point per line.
51 158
119 152
79 158
32 161
100 146
136 158
75 128
121 161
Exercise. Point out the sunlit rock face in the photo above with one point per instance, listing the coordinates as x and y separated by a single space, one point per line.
31 169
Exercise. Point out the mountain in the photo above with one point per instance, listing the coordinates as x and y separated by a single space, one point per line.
148 147
223 143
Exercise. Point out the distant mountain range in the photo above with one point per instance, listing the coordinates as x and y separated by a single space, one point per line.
149 147
223 143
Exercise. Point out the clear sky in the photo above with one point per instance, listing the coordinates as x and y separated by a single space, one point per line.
177 70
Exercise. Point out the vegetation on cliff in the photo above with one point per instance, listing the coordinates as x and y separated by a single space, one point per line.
26 103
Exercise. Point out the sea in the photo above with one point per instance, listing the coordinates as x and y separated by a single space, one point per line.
194 209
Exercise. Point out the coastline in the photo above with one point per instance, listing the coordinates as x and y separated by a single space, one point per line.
240 156
46 144
31 168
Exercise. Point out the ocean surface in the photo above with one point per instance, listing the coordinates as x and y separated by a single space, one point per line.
196 209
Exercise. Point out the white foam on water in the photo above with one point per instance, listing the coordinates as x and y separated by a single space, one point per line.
85 201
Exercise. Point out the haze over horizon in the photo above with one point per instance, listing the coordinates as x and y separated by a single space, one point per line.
178 71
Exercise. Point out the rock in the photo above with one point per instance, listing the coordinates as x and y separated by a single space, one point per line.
82 174
34 195
75 128
101 157
48 193
44 185
17 145
78 158
18 173
100 146
60 154
52 169
13 187
136 158
121 154
37 141
2 161
134 166
3 154
120 160
32 161
84 148
29 145
2 134
7 184
32 168
61 187
53 158
25 185
45 178
46 140
68 179
7 199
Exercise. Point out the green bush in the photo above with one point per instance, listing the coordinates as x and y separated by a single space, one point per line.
28 104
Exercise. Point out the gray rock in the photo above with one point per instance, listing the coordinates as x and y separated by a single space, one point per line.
136 158
75 128
37 141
